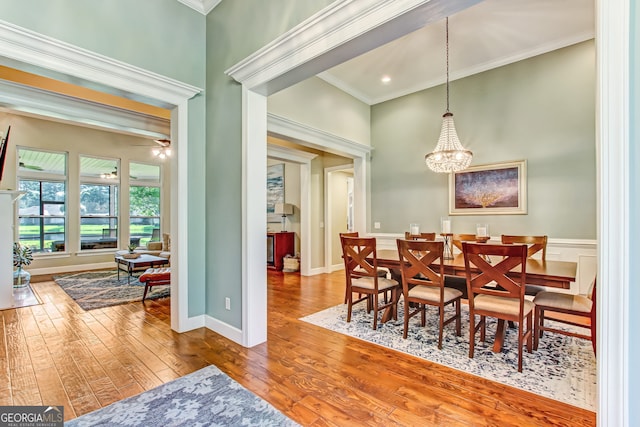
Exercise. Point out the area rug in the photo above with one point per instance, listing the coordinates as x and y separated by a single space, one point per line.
207 397
98 289
563 368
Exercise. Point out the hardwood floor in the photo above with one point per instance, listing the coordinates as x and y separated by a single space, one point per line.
57 354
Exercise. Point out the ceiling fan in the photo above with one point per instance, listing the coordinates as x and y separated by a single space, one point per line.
164 150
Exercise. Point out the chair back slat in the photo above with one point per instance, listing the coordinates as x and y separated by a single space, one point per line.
535 244
457 239
421 236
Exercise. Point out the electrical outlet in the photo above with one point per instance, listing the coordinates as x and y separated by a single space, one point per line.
227 303
376 225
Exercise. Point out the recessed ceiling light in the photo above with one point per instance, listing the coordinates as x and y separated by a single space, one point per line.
385 79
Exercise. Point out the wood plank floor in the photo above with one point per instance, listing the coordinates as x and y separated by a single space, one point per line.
58 354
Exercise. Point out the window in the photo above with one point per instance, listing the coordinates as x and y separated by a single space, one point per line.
41 211
99 184
144 202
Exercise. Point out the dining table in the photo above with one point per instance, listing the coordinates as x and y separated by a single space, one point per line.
549 273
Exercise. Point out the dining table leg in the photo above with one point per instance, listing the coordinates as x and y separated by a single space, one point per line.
500 331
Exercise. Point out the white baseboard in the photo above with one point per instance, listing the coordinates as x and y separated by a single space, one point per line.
317 270
224 329
72 268
192 323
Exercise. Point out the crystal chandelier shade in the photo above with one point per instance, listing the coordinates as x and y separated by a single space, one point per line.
449 155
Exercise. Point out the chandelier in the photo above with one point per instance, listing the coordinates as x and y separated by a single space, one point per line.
449 155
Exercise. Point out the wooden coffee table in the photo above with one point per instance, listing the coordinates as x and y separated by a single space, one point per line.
142 262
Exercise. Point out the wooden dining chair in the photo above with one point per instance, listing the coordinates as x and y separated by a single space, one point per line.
457 239
361 265
421 264
495 293
574 305
382 272
421 236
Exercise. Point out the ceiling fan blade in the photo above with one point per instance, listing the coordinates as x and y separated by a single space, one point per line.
32 167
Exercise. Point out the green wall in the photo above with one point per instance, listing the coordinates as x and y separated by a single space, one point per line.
163 36
541 109
235 29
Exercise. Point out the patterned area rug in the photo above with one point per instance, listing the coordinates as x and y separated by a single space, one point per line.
563 368
97 289
207 397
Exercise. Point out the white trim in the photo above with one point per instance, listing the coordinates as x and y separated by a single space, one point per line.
342 30
71 268
612 45
314 138
202 6
254 218
222 328
29 47
328 208
304 160
318 270
32 101
42 51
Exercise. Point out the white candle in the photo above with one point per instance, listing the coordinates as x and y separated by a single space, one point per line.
415 229
446 226
481 232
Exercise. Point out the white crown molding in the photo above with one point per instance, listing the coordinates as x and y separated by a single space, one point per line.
202 6
460 73
27 46
336 30
31 101
314 138
289 154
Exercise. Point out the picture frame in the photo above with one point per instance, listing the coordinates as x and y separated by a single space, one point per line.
275 191
492 189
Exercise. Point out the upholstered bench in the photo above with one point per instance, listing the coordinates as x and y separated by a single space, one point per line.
153 277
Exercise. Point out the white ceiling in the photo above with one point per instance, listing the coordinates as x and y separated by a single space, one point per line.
485 36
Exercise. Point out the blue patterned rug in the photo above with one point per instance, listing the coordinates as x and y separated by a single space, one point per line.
97 289
563 368
207 397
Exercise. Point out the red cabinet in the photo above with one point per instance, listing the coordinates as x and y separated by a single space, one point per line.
279 245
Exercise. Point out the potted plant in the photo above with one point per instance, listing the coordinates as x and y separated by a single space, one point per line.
132 247
22 255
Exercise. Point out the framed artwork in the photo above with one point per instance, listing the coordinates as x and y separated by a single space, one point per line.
494 189
275 190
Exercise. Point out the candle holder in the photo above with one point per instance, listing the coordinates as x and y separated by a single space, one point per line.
445 225
482 231
414 229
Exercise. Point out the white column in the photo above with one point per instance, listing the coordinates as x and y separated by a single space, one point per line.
6 247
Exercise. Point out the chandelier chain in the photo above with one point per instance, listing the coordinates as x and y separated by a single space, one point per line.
447 50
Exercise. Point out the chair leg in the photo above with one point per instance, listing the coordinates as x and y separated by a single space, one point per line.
458 318
349 306
406 318
472 334
520 348
530 333
536 327
375 311
146 288
440 326
483 330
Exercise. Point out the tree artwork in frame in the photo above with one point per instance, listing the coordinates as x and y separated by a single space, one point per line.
495 189
275 190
